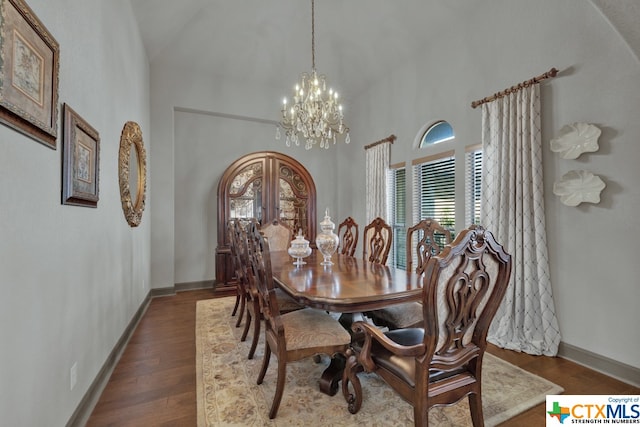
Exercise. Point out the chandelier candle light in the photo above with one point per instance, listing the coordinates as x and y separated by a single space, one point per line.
315 114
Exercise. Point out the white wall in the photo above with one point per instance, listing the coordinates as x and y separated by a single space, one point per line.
197 147
71 278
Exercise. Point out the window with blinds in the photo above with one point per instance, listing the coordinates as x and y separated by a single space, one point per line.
434 189
473 184
396 207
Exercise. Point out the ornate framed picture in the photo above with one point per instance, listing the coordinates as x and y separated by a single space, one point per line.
28 74
81 161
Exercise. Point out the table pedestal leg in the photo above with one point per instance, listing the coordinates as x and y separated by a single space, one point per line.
332 375
347 319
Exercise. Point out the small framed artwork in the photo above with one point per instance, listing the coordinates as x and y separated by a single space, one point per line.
28 74
80 162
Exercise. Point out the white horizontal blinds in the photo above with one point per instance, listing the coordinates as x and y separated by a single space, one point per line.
434 187
396 206
473 184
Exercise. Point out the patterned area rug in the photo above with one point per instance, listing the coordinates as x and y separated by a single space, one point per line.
228 394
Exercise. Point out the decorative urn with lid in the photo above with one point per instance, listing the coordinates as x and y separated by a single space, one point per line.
327 241
299 249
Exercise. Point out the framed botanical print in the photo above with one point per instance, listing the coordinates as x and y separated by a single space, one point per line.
81 161
28 73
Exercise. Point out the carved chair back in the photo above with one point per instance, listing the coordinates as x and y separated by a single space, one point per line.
262 278
246 294
240 283
236 236
462 290
278 235
232 244
348 234
427 238
378 236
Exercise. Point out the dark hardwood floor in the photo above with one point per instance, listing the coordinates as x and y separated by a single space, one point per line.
154 383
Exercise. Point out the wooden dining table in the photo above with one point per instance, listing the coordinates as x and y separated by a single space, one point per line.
350 286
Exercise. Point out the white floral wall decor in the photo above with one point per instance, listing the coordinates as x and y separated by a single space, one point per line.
575 139
578 186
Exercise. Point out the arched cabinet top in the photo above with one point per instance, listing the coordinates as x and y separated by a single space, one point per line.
269 186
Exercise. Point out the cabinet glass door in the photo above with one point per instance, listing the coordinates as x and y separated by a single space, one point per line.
293 201
245 193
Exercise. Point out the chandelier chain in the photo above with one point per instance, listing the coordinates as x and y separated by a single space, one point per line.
313 36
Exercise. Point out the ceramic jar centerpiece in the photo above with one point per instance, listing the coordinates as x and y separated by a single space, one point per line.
327 241
299 249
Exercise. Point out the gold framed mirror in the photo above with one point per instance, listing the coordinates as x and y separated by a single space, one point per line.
132 173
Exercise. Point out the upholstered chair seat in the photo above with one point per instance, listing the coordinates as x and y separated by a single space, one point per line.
312 328
286 303
407 315
403 367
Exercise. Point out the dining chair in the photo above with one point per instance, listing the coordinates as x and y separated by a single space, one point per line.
237 239
377 238
424 240
240 283
253 308
348 234
278 235
238 291
440 364
291 336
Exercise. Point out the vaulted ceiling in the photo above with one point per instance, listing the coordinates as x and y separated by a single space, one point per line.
270 41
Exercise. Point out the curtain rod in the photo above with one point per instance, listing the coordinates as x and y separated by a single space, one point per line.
390 139
551 73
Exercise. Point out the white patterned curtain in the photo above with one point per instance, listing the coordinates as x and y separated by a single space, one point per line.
377 164
513 209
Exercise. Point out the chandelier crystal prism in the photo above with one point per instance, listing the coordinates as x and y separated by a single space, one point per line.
316 115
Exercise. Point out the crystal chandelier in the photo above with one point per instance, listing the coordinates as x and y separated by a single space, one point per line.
315 114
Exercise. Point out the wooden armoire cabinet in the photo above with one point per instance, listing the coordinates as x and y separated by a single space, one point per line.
265 185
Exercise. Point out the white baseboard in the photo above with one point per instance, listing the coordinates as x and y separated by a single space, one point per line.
90 399
623 372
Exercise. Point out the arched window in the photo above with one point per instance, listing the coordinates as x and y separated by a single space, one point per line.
438 132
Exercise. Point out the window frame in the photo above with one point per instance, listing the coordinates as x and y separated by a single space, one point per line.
397 214
423 143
